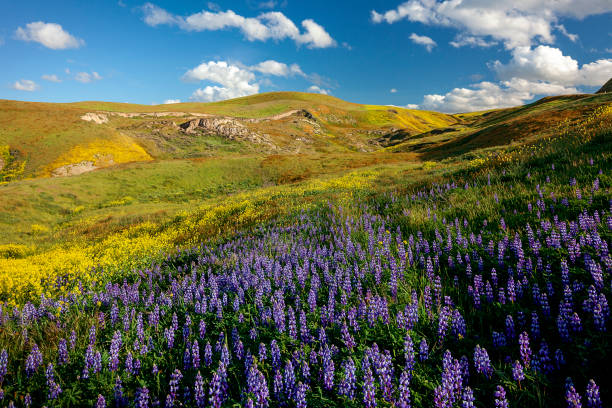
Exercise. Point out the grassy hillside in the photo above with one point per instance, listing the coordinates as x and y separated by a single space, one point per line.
154 173
480 278
42 137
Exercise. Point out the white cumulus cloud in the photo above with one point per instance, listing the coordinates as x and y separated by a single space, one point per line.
488 95
271 67
86 77
544 63
25 85
51 78
227 80
171 101
317 89
515 23
271 25
423 40
51 35
235 81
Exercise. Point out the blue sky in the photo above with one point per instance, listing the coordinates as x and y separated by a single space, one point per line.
442 55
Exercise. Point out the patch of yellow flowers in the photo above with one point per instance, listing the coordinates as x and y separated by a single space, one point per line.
27 276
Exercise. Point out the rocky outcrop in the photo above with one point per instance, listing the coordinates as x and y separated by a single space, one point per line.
74 169
98 118
222 126
606 88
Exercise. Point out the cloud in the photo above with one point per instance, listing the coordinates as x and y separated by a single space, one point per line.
51 78
544 63
271 25
316 89
51 35
563 30
423 40
235 80
271 67
393 90
519 23
487 95
232 80
171 101
86 77
411 106
25 85
471 41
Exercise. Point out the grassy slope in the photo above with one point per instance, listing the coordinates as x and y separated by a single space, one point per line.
504 126
45 213
46 136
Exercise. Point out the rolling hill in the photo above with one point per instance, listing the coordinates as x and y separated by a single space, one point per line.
79 178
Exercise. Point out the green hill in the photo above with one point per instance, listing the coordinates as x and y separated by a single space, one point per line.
117 184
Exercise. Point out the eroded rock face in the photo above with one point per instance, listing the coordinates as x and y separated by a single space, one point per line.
226 127
74 169
98 118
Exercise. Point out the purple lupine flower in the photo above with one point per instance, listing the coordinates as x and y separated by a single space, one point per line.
409 355
369 389
289 380
142 400
276 355
72 340
208 354
34 360
423 350
562 328
482 363
27 400
120 400
384 369
195 355
263 352
525 351
115 347
54 389
169 335
92 335
347 384
129 364
200 393
202 329
175 378
467 398
404 390
187 356
300 395
599 317
257 385
500 398
62 353
100 402
593 398
3 364
573 398
517 371
278 385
